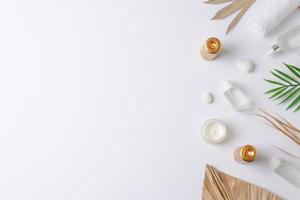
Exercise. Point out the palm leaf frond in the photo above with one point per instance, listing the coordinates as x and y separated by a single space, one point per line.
288 77
281 78
293 70
294 102
279 92
291 95
234 6
285 93
273 90
217 1
286 87
229 10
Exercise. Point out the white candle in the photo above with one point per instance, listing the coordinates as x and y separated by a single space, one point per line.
214 131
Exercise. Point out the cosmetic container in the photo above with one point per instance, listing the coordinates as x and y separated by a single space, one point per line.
211 49
245 154
286 170
235 96
288 41
213 131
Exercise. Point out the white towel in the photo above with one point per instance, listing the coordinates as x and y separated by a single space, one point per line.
265 15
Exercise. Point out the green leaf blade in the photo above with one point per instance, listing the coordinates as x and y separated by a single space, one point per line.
273 90
279 92
281 78
295 102
290 96
297 109
287 76
292 70
274 82
295 68
285 93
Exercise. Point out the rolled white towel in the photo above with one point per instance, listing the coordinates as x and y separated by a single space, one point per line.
265 15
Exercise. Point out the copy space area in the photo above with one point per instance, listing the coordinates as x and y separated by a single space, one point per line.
101 99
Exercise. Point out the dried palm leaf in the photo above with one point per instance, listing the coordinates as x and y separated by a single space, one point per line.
240 15
229 10
220 186
281 125
217 1
236 5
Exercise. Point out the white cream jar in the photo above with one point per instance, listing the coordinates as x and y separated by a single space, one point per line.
214 131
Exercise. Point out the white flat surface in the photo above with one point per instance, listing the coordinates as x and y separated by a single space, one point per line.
102 100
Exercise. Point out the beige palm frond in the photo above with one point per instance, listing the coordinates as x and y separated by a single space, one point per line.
217 1
240 6
220 186
282 125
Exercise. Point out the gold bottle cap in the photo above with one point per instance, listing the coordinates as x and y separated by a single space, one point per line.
248 153
212 45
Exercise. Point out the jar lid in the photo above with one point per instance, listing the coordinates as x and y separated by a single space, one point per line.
248 153
212 45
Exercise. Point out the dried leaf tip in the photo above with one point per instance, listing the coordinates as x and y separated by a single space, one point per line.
282 125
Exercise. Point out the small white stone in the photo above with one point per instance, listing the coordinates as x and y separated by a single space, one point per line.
244 65
207 98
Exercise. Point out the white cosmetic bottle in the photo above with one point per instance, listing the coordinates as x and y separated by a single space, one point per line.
288 41
286 170
235 96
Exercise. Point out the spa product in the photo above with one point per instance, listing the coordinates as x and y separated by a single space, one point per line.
235 96
245 154
207 98
211 48
265 15
286 170
244 65
288 41
213 131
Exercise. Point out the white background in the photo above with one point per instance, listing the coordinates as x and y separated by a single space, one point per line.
102 100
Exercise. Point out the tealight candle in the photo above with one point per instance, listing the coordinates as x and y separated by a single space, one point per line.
214 131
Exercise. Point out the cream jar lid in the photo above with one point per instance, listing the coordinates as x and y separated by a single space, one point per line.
214 131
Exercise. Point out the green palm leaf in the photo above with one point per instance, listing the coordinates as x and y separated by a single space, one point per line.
286 76
273 90
279 92
281 78
297 109
290 96
286 87
292 70
274 82
295 102
295 68
285 93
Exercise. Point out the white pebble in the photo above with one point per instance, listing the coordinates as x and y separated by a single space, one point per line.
207 98
244 65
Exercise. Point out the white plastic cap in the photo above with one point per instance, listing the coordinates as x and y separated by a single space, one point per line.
275 162
274 48
227 85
